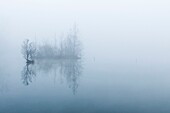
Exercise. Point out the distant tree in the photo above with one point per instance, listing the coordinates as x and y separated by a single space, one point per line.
46 51
32 50
72 45
28 51
69 47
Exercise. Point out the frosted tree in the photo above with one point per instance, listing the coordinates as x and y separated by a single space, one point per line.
28 51
72 45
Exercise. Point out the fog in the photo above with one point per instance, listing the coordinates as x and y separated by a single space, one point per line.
121 28
124 64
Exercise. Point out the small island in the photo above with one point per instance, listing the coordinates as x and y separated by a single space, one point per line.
68 48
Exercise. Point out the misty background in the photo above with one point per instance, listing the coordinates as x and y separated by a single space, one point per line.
126 55
122 30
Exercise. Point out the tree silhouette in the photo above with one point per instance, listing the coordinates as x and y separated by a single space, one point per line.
28 51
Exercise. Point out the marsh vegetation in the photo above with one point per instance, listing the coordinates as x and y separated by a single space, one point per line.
69 47
63 58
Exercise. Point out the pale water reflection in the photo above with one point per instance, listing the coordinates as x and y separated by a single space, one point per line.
28 73
126 56
68 69
84 86
3 83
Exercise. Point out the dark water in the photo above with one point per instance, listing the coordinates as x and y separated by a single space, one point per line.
88 85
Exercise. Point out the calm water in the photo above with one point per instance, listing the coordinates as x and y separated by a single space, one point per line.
84 86
126 57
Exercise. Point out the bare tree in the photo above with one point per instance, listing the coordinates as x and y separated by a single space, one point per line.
25 50
71 47
32 50
28 51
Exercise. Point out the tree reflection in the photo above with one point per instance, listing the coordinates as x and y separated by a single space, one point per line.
28 73
69 69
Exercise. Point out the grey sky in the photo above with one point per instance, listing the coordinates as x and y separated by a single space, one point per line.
119 28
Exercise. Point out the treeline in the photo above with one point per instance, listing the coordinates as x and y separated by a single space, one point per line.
68 48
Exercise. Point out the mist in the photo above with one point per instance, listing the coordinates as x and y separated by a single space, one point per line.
120 66
139 27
